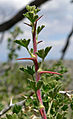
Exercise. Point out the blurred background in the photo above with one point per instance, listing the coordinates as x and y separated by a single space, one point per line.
58 21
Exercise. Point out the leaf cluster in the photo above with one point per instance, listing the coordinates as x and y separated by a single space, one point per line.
43 52
23 42
32 13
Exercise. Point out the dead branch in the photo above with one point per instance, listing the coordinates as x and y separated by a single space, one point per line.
10 106
67 44
21 103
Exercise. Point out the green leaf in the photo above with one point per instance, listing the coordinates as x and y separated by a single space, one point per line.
32 8
32 84
31 16
17 109
59 116
40 53
22 69
14 116
31 50
23 42
36 10
39 84
9 116
47 50
71 105
65 107
9 40
1 106
29 69
35 18
40 28
43 52
32 13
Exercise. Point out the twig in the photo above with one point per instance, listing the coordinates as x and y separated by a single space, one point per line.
19 16
67 93
67 44
21 103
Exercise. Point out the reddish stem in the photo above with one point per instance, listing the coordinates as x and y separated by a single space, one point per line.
33 59
42 110
50 72
26 59
39 42
34 40
28 24
39 18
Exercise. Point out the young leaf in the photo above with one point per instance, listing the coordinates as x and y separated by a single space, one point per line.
35 18
43 53
40 53
32 13
32 8
31 16
36 10
40 28
23 42
47 50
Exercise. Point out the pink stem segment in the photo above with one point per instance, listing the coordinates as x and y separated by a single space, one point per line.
39 18
50 72
40 41
26 59
42 110
34 41
33 59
